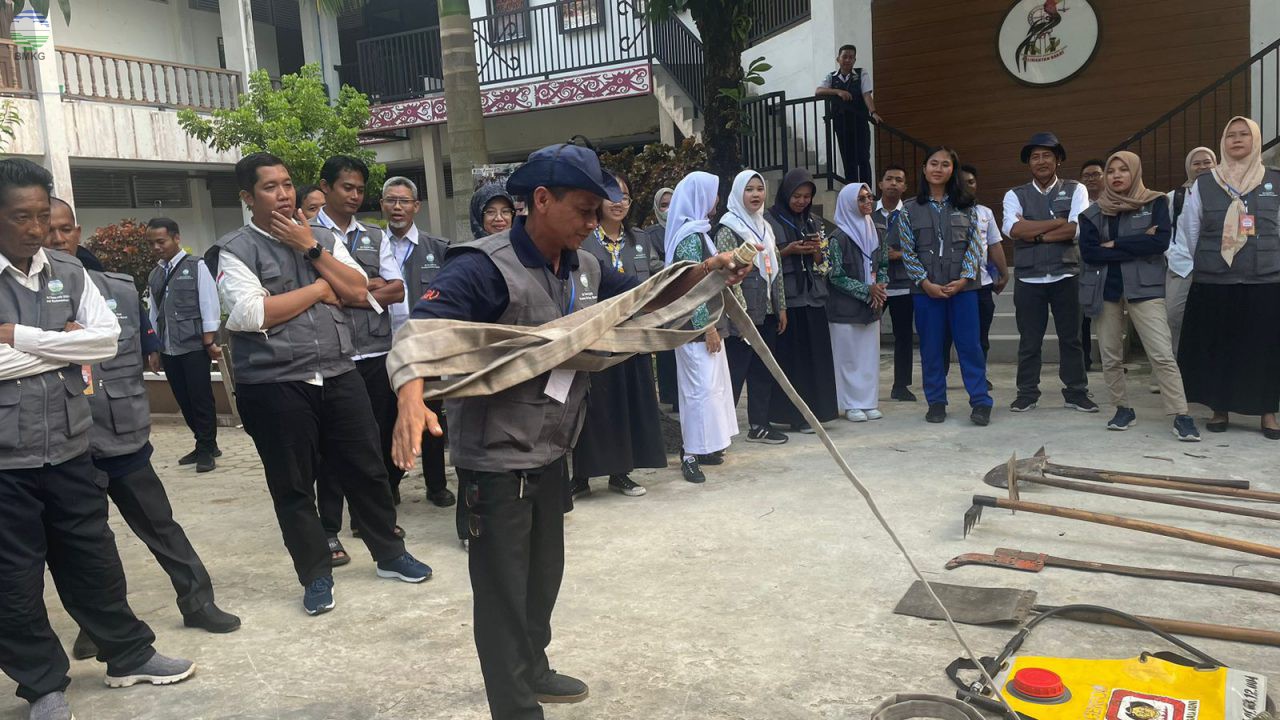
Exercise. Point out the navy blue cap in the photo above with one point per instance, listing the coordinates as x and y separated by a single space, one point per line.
564 165
1044 140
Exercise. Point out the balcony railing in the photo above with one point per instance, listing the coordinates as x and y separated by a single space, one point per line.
680 52
17 71
770 17
91 75
536 42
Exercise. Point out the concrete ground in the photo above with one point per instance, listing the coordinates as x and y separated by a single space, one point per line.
766 593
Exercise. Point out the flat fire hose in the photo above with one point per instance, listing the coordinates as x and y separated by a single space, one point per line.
473 359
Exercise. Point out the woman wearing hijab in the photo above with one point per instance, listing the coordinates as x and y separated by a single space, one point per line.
762 295
1178 279
622 430
1123 238
1230 347
942 253
492 210
654 235
708 420
804 352
859 280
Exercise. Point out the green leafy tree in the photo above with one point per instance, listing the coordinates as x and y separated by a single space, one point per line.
297 123
724 26
9 122
42 7
655 166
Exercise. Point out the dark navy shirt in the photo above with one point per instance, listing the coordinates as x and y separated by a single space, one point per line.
1126 249
470 286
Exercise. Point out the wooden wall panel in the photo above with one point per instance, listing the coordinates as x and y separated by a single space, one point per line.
937 77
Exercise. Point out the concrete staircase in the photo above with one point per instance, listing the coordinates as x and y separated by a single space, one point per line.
676 104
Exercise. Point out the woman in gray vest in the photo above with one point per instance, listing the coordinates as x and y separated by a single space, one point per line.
1230 348
764 297
859 279
804 352
942 253
622 430
1123 237
1178 280
492 210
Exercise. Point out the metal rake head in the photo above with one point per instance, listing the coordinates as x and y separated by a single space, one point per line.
971 518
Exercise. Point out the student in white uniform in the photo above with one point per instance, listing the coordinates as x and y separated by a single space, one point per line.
708 420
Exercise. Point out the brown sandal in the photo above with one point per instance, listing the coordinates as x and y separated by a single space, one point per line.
337 555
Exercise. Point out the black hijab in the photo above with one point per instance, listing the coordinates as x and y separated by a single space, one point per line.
782 201
482 197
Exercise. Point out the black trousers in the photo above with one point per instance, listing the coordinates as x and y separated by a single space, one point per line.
516 523
373 371
902 314
853 135
188 376
299 428
1032 304
57 514
1086 340
668 391
140 497
745 367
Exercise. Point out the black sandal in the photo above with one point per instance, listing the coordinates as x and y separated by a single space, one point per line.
337 555
1270 433
1217 426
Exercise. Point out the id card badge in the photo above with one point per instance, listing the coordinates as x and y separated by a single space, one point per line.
558 385
1247 225
86 374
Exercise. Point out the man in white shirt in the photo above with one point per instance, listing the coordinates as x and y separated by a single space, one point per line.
283 285
893 184
419 256
54 322
1040 217
852 109
994 272
184 311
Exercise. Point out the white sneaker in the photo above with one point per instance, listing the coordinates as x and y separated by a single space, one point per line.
873 414
855 416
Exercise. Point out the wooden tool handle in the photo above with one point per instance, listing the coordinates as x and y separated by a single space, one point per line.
1074 471
1240 583
1104 476
1104 489
1178 627
1131 524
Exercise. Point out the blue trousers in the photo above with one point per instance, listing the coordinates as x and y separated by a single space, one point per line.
960 315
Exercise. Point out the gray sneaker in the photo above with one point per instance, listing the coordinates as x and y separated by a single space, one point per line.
51 707
159 670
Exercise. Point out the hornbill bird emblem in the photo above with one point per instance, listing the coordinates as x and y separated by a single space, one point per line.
1041 22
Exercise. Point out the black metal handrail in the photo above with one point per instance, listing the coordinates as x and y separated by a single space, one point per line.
545 40
788 133
680 52
1199 120
770 17
402 65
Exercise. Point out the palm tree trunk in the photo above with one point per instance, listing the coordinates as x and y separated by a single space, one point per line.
467 147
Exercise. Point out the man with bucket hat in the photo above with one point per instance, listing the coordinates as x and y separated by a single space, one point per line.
510 448
1041 218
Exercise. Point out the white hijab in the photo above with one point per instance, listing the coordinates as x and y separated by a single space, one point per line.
860 229
752 227
691 202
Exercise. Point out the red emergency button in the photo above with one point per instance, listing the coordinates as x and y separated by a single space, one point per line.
1038 684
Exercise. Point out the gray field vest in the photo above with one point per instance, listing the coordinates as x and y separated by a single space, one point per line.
804 285
1032 260
370 331
1143 277
178 322
635 255
755 289
316 341
422 265
45 418
898 277
940 249
841 306
1258 262
121 409
521 428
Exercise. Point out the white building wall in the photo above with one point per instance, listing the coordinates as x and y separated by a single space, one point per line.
169 31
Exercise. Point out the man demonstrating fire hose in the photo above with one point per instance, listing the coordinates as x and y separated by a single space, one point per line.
509 444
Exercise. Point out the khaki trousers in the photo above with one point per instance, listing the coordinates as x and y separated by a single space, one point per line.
1151 321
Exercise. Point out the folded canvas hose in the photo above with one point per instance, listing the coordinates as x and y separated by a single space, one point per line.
471 359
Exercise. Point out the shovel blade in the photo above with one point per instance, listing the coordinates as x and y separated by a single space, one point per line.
968 605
